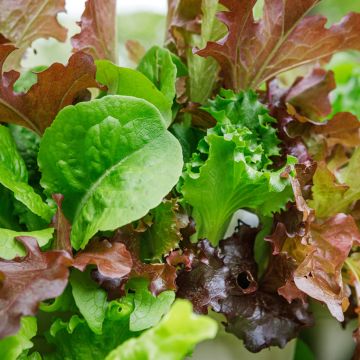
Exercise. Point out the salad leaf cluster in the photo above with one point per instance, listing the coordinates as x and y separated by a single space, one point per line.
118 185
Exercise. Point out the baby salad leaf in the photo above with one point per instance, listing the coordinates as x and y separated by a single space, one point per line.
111 168
98 30
173 338
163 235
111 258
157 65
129 82
90 299
28 280
24 21
10 248
253 52
12 346
13 176
34 110
240 147
74 340
148 309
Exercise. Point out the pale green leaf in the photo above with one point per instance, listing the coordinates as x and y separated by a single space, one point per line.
148 309
10 248
12 346
90 299
172 339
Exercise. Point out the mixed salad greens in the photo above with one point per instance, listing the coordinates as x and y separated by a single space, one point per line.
118 185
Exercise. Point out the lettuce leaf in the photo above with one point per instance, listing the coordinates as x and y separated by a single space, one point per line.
112 168
235 172
173 338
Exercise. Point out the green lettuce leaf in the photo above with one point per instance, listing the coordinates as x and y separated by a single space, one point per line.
12 346
158 66
89 298
112 168
10 248
172 339
148 309
14 176
129 82
230 171
163 234
74 340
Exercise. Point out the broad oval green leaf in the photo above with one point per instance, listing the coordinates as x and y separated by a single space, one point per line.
112 159
14 176
129 82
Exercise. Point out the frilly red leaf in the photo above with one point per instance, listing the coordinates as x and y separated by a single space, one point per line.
26 281
34 110
283 39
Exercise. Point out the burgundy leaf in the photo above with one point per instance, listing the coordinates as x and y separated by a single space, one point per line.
35 110
225 279
98 30
26 281
111 258
310 95
254 52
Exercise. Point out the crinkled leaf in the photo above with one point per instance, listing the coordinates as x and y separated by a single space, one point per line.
253 52
75 340
13 176
28 280
163 235
129 82
225 278
157 65
98 30
112 168
10 248
161 276
90 299
24 21
319 275
111 258
34 110
12 346
238 152
173 338
148 309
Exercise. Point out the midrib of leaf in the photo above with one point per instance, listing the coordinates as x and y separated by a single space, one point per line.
41 8
283 38
106 173
32 125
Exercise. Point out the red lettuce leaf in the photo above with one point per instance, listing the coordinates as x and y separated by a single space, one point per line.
225 278
254 52
98 30
35 110
26 281
111 258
